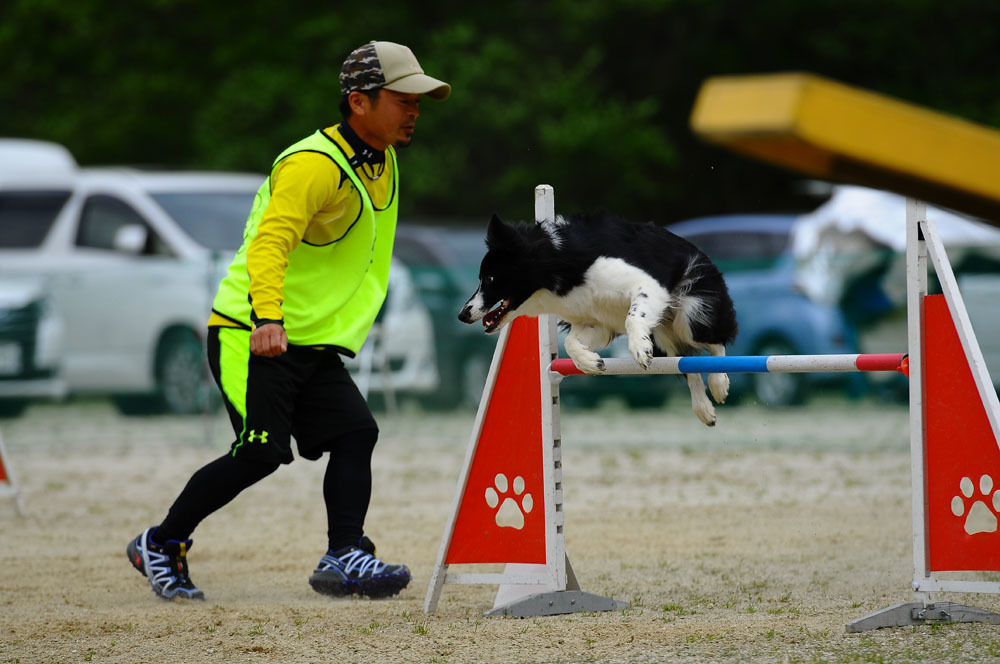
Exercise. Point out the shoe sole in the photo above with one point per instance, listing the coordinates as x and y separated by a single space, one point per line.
376 587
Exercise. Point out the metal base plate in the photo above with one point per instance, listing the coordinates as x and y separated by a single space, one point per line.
917 613
556 603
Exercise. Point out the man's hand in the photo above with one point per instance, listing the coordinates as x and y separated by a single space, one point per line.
268 340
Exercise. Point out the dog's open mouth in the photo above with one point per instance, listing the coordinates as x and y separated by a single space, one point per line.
493 318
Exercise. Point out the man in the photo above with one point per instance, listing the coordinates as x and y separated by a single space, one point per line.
303 289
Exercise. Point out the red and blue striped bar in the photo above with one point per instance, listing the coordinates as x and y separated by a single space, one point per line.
624 366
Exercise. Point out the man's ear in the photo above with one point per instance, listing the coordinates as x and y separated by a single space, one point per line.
359 102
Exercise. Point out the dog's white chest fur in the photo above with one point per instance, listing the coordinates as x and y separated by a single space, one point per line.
609 288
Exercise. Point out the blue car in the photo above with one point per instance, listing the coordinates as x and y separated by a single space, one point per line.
775 318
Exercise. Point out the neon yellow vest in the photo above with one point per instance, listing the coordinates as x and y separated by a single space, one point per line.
332 292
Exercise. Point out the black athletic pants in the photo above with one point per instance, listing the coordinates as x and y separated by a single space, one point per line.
305 393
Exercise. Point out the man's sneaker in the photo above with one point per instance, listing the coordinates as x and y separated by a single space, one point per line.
165 566
354 570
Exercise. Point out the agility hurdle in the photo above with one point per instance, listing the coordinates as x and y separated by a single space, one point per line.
832 131
515 454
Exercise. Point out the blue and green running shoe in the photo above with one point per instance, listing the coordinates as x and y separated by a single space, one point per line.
164 565
354 570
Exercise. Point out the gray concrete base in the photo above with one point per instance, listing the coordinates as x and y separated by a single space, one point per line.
917 613
556 603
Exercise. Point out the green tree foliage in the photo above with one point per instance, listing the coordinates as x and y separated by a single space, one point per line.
590 96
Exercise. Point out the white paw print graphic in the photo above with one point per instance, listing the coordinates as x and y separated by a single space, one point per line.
511 513
979 518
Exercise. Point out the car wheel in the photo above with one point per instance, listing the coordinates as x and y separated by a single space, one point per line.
183 381
778 389
12 407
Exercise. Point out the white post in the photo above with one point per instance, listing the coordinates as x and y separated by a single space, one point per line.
916 289
545 203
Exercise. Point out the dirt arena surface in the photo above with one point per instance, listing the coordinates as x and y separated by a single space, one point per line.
755 541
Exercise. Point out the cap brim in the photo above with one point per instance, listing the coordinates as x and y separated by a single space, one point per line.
420 84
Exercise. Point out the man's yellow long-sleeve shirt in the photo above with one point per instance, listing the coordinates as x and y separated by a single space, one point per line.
312 201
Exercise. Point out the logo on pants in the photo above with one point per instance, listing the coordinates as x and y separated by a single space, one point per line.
253 436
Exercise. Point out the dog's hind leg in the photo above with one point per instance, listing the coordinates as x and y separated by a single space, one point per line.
648 303
581 341
700 403
718 383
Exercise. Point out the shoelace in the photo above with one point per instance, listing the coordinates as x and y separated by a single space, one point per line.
168 570
162 570
363 561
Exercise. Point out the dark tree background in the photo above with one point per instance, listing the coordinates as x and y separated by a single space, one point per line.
590 96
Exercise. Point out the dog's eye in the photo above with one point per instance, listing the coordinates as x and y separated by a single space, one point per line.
489 279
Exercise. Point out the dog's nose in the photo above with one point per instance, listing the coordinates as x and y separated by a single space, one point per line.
463 315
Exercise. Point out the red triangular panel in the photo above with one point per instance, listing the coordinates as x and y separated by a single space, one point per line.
960 444
510 444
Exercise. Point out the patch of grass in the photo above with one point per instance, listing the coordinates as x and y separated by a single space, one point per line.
372 628
701 638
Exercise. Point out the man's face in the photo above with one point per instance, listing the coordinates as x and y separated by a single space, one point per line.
388 121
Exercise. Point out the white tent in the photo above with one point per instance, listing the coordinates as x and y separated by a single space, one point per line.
860 229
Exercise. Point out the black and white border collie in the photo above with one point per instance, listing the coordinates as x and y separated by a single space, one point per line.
605 277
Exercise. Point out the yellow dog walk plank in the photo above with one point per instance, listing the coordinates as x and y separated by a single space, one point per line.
833 131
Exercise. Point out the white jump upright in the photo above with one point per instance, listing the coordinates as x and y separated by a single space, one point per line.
954 438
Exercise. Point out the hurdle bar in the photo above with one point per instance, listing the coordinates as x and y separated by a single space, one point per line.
624 366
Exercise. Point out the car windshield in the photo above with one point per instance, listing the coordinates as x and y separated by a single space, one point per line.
26 216
215 219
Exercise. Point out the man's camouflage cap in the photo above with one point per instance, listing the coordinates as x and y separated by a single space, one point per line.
381 64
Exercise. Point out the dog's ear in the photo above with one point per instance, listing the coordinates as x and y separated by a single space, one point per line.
499 234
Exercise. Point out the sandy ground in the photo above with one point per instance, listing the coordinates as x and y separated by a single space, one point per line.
756 541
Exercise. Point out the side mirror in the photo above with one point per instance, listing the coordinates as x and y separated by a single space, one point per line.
130 239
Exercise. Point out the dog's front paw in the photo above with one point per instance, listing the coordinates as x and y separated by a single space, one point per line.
718 385
588 362
641 350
